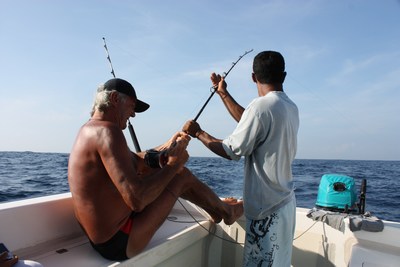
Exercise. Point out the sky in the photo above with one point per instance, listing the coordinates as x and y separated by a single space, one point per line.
342 62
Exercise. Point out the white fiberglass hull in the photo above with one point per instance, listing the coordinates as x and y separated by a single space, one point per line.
45 230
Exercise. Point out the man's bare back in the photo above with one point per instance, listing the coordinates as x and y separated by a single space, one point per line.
99 206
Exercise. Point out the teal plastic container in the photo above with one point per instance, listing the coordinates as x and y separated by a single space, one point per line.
336 192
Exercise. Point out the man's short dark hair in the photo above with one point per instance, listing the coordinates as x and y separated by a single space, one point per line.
269 67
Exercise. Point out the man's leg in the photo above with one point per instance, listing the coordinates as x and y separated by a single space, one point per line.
203 196
269 240
186 185
147 222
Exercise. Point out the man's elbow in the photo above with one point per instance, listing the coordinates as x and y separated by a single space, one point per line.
219 150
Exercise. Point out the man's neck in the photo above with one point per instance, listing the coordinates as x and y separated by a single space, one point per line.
264 89
103 116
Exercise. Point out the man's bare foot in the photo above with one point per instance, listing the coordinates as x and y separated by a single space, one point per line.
235 210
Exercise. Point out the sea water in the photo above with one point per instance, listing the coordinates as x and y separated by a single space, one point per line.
29 174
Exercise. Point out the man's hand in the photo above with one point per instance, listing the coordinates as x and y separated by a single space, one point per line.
219 83
192 128
171 142
177 153
179 137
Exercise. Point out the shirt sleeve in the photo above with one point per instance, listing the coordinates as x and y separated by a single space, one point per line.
245 137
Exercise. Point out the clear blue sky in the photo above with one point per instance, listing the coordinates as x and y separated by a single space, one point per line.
342 60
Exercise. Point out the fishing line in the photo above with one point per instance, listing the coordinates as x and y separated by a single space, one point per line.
305 231
345 117
130 127
213 89
199 223
172 219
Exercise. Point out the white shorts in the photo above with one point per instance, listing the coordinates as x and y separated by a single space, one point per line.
269 240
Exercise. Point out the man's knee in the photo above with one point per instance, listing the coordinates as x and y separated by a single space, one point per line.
182 181
186 174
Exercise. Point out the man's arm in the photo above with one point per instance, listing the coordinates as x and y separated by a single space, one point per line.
214 144
230 103
168 144
138 191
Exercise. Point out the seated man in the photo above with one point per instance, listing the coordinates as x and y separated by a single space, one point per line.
120 201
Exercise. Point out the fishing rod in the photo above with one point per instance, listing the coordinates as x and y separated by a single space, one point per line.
213 89
130 127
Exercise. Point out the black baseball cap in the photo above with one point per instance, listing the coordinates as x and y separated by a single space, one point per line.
126 88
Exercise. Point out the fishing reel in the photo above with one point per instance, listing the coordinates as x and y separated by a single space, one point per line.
156 159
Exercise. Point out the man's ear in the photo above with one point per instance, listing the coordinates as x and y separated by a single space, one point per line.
254 77
283 76
114 97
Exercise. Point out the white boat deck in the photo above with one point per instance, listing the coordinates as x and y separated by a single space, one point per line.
77 251
51 217
45 230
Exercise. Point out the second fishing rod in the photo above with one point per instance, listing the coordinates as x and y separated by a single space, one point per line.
213 89
130 127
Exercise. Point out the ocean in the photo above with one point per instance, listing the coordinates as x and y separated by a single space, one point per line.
30 174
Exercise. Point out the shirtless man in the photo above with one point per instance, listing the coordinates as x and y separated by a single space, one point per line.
120 201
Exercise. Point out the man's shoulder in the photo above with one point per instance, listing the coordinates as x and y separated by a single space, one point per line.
260 104
102 127
99 134
100 123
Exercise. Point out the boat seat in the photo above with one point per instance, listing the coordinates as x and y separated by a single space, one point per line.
77 251
45 230
73 252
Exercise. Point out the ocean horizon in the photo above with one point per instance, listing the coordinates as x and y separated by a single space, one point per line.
27 174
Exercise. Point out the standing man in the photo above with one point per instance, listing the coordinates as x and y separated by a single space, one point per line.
266 135
119 200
